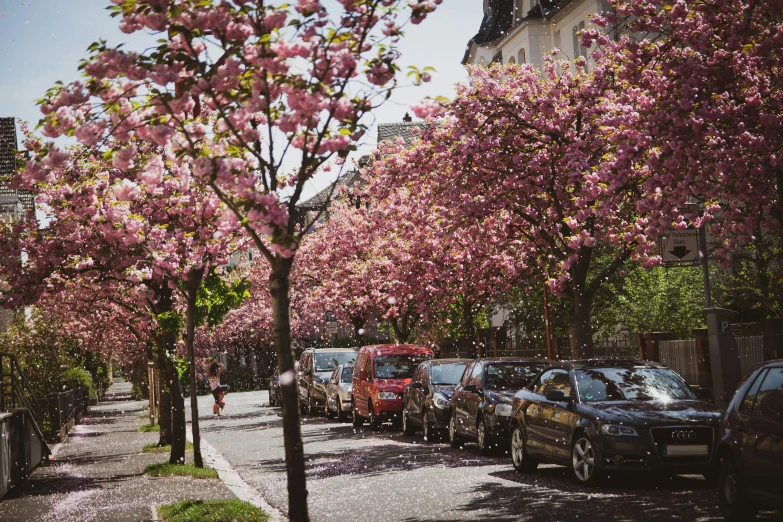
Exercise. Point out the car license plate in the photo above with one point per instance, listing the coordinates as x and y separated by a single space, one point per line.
690 450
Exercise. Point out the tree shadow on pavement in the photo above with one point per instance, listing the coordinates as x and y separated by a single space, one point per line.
549 494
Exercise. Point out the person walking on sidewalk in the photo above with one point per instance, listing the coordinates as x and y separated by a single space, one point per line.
214 369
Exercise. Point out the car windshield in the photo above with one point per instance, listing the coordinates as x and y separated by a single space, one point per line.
511 376
631 384
396 366
444 374
347 375
325 362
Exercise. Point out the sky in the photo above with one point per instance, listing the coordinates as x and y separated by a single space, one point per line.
42 42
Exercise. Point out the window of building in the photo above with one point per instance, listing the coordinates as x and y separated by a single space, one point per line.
512 60
521 56
557 39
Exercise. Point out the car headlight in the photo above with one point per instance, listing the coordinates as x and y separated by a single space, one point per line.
503 410
387 395
440 401
618 431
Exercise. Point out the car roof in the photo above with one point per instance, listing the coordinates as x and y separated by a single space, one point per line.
607 363
395 349
436 362
334 350
513 359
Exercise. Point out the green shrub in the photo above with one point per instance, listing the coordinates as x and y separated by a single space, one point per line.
78 377
212 511
146 428
164 469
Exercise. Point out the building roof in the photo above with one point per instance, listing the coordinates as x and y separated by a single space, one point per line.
386 132
8 167
322 199
403 129
396 349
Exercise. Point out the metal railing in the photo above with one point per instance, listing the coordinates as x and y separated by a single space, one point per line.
751 351
16 392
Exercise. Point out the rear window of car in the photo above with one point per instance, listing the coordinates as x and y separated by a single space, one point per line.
511 375
396 366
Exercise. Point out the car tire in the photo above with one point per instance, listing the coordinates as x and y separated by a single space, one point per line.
407 428
732 496
521 461
311 407
483 439
358 420
583 461
455 441
375 420
426 429
329 413
272 399
341 416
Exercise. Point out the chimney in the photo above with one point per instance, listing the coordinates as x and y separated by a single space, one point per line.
407 118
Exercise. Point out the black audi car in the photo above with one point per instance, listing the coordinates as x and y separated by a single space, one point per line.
481 404
426 403
596 416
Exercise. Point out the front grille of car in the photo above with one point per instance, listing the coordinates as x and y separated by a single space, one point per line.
683 436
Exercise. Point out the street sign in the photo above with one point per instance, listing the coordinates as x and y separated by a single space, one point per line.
680 246
330 317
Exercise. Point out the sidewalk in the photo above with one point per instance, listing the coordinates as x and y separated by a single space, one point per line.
97 473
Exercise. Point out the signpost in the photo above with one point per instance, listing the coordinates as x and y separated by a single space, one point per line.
688 247
680 246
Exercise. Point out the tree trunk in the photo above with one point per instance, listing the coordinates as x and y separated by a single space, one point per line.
166 341
579 329
358 325
164 411
470 327
195 276
178 427
292 434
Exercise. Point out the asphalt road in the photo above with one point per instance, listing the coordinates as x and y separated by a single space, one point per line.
361 475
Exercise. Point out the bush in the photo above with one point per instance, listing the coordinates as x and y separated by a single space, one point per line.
212 511
78 377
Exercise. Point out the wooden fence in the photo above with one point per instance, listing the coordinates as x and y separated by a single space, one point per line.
681 356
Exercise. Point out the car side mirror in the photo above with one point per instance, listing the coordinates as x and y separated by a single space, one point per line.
417 385
557 396
471 388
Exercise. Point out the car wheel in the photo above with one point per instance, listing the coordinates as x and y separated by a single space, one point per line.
732 497
375 420
329 413
426 429
407 429
583 461
519 457
358 420
271 399
483 439
311 406
341 416
454 439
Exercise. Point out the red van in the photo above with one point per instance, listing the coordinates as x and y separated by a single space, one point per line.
380 375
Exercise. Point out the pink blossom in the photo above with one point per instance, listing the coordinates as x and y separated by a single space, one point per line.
126 190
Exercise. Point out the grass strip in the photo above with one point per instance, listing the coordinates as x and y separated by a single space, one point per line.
164 469
146 428
154 448
212 511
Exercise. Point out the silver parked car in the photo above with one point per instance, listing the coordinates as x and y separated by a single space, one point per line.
338 392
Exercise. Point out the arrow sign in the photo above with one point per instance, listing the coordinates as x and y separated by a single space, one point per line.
680 246
679 251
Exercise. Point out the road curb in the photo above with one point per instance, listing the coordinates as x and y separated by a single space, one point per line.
233 481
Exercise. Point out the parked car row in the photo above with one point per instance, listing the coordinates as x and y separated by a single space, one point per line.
593 416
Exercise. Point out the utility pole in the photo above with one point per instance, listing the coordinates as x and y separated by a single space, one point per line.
550 349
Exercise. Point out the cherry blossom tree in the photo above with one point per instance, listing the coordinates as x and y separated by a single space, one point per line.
547 156
117 229
712 75
284 87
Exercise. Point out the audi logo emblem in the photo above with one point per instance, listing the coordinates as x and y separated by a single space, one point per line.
683 435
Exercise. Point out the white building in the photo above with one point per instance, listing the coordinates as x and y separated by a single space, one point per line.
523 31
